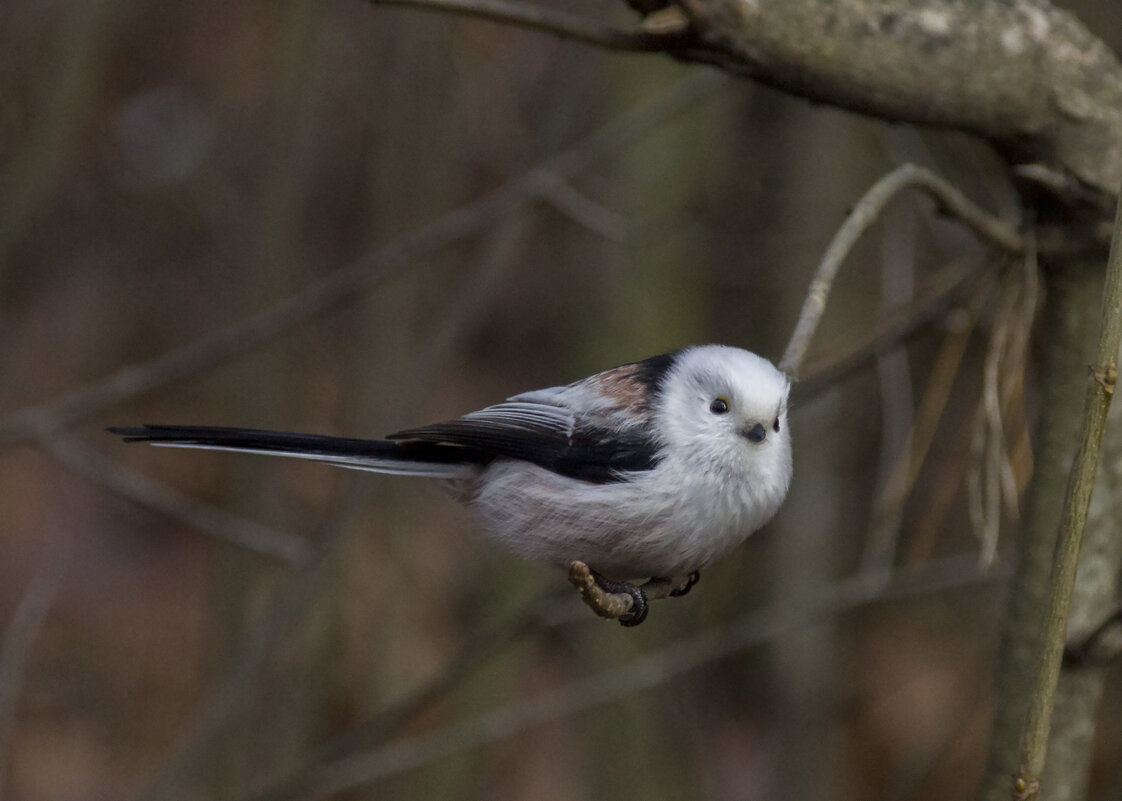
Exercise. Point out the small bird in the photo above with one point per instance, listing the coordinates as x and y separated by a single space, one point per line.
650 469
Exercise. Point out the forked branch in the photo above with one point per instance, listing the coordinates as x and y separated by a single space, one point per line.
867 211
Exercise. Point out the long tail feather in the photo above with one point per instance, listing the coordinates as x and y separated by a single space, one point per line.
435 460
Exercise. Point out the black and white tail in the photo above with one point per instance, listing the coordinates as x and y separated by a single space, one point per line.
404 457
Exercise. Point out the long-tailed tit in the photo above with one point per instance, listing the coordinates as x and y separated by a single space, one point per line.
650 469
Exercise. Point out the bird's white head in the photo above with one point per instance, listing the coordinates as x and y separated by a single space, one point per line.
722 409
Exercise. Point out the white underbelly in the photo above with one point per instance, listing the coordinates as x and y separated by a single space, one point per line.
646 526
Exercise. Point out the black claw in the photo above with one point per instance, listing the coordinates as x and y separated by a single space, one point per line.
692 579
639 607
639 603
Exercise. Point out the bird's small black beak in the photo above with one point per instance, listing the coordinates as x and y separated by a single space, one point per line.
756 433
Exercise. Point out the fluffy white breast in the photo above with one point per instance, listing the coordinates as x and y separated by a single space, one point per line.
716 480
734 466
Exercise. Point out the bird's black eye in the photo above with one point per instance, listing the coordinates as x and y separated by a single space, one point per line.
775 425
720 405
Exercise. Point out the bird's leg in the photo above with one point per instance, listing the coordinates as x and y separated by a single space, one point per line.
619 600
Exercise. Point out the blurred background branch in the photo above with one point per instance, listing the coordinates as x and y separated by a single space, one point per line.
347 285
348 771
15 650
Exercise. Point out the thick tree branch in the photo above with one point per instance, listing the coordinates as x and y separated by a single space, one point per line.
1023 74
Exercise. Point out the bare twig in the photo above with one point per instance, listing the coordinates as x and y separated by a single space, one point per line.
234 688
938 292
587 212
988 440
864 214
991 478
346 286
1099 393
533 618
25 626
545 20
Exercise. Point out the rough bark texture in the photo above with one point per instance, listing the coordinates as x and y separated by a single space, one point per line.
1023 74
1080 689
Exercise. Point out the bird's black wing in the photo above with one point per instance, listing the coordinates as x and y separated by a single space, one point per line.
536 428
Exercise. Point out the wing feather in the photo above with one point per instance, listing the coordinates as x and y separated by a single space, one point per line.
538 427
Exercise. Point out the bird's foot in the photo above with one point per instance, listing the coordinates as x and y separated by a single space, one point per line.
618 600
638 612
682 586
621 600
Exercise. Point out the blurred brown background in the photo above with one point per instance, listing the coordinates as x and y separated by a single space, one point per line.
169 171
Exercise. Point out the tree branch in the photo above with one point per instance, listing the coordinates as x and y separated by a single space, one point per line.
1024 75
110 475
1099 393
1091 641
864 214
15 649
544 20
